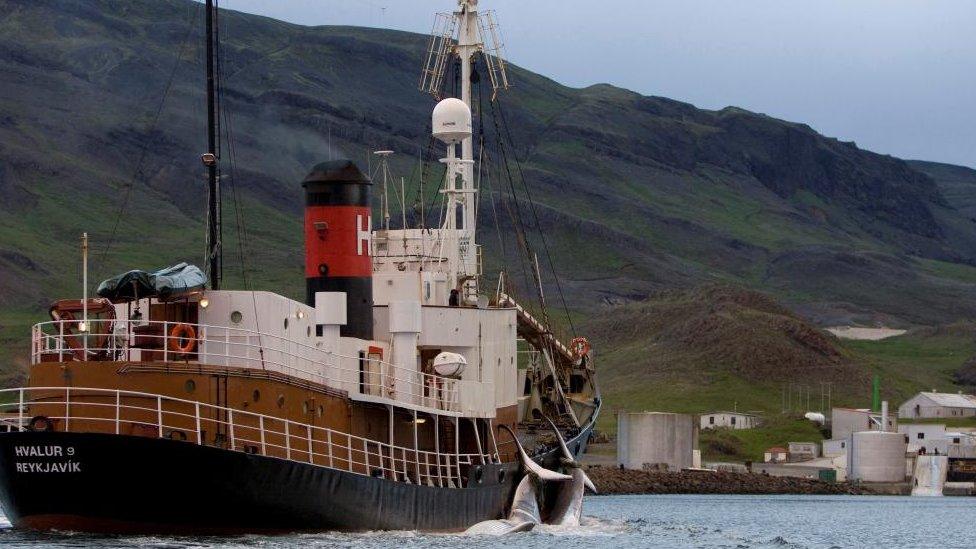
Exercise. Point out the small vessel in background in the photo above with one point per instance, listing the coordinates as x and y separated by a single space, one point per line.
388 399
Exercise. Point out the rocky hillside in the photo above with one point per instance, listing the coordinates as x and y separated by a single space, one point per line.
102 124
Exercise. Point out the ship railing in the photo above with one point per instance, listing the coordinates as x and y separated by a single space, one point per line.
134 413
156 341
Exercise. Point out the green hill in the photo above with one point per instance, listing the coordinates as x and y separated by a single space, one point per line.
638 194
719 347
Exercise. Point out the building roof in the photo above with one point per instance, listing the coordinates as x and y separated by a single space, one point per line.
777 450
950 400
746 414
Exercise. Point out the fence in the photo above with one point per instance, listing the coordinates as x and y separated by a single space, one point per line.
129 340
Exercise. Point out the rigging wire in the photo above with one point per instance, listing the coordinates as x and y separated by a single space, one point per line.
144 150
226 131
535 215
516 216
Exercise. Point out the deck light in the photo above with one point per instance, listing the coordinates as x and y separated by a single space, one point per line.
301 314
82 326
204 303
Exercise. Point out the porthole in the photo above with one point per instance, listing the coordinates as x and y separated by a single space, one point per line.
236 317
479 474
286 322
256 395
281 401
190 385
501 476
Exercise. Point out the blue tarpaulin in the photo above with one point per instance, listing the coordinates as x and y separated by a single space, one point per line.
165 283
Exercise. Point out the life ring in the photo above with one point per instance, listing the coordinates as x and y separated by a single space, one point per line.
182 339
580 347
40 424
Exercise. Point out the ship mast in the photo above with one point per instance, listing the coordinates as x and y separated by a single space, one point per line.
214 251
465 33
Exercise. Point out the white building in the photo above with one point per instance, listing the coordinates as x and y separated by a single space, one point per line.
803 451
938 405
845 421
732 420
934 439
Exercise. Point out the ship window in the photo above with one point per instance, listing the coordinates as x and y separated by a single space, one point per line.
286 322
308 331
501 476
236 317
305 407
281 401
190 385
921 436
256 395
320 411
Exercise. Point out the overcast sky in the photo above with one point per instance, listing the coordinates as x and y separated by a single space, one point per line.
896 76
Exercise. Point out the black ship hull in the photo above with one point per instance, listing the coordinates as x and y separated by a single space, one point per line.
124 484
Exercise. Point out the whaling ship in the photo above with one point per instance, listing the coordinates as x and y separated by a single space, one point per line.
386 400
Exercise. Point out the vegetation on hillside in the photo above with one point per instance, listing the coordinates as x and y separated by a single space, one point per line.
637 194
741 445
722 348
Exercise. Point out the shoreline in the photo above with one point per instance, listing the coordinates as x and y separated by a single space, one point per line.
614 481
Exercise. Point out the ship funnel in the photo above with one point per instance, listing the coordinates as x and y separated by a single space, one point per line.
338 235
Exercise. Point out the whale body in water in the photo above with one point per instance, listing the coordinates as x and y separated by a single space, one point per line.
567 505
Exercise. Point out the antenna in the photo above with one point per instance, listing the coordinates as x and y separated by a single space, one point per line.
464 33
385 197
494 52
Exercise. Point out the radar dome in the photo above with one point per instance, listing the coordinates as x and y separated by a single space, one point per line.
451 121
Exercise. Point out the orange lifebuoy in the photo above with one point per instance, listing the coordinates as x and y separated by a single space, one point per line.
182 339
580 347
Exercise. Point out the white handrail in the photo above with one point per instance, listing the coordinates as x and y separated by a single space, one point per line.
263 438
390 381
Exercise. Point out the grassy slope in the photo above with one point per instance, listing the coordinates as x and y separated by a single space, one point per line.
750 444
636 194
645 367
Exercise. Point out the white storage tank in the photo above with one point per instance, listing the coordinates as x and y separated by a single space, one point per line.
876 456
654 438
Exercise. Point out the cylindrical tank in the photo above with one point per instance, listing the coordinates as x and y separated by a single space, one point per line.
816 417
876 456
338 232
649 439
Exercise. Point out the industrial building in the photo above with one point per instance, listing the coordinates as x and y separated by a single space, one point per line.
938 405
652 439
935 439
731 420
845 421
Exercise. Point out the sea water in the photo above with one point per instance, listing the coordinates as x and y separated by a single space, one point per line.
622 522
